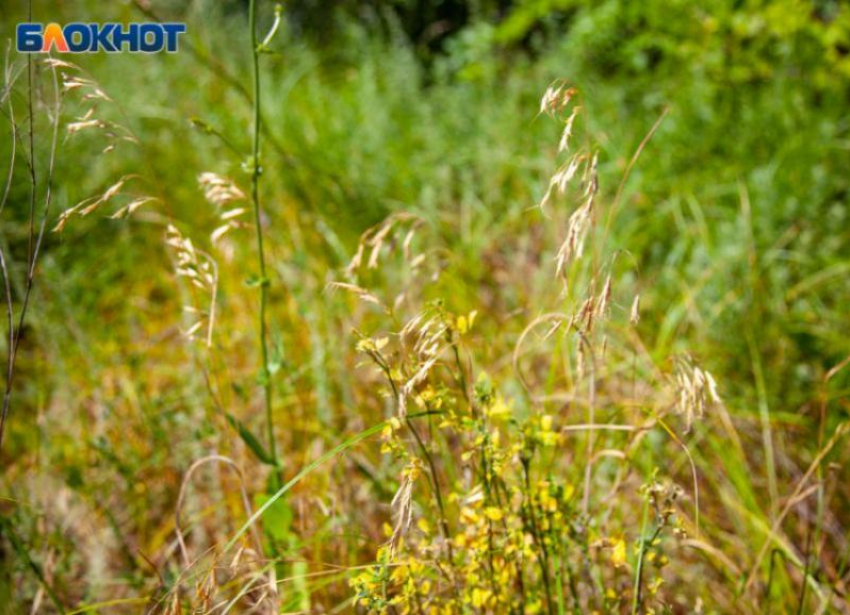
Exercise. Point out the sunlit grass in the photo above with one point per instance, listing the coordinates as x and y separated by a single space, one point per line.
531 447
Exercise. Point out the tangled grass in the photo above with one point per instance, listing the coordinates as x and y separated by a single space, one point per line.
455 419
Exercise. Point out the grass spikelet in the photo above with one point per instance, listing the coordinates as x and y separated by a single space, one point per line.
697 390
634 312
375 238
130 208
360 292
402 505
564 144
219 190
604 301
89 206
223 192
75 127
201 271
556 97
573 246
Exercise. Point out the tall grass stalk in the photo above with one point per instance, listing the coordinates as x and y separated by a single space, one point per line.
755 355
256 171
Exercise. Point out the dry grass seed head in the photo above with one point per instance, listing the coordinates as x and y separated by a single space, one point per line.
564 144
221 192
92 95
428 333
92 88
634 314
130 208
402 504
697 390
557 96
417 379
360 292
89 206
573 246
115 133
580 221
374 239
201 271
604 301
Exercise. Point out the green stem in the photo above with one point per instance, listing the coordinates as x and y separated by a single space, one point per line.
261 258
438 494
636 598
539 539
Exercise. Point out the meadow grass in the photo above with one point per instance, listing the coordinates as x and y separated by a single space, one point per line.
468 399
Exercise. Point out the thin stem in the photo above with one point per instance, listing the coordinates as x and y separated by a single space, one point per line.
644 547
444 524
462 373
755 353
14 127
10 312
591 416
256 171
636 597
806 568
488 498
543 555
35 239
31 133
769 585
10 361
13 337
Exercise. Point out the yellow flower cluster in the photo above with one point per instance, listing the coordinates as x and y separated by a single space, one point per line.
485 519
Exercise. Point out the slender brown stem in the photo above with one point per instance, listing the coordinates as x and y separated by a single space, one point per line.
35 238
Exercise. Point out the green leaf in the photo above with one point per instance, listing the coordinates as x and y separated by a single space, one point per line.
256 281
277 519
250 440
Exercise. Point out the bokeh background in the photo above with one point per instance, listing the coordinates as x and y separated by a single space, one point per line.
735 219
